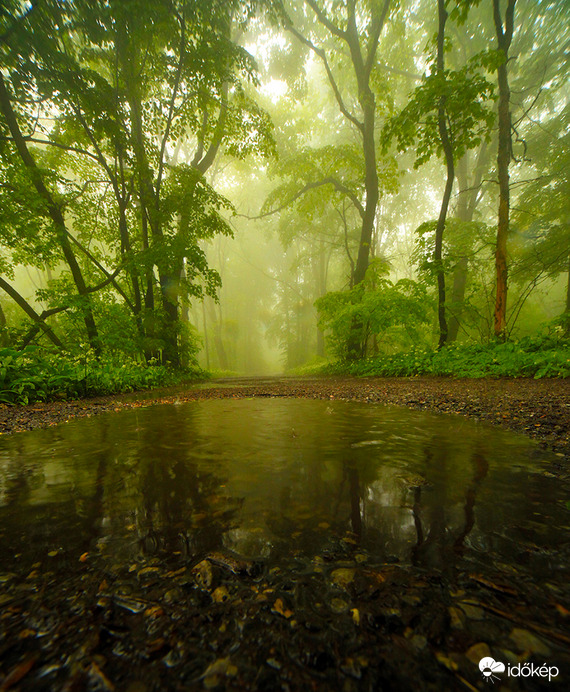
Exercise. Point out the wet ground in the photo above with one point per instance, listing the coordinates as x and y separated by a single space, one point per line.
368 574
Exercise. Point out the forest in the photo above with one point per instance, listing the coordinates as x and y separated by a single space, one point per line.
258 187
284 345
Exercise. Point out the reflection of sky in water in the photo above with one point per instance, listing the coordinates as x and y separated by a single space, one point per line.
275 478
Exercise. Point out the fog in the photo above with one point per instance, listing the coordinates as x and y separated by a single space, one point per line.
290 153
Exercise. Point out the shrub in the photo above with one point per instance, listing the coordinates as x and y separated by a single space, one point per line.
35 375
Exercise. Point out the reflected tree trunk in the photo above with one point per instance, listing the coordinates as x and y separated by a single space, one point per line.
355 512
480 470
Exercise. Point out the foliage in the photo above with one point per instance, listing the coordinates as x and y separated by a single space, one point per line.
538 357
131 89
376 307
37 375
465 93
462 238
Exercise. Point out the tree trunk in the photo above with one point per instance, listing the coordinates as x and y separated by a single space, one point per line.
567 311
448 151
321 290
504 37
150 207
468 198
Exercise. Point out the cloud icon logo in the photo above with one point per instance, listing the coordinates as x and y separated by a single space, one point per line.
489 667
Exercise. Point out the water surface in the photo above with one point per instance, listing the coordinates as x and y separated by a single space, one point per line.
280 479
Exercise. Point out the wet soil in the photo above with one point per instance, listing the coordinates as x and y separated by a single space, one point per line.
341 620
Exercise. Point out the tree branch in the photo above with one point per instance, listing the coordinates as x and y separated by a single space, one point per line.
206 161
325 21
29 310
17 21
322 55
171 108
376 30
311 186
110 277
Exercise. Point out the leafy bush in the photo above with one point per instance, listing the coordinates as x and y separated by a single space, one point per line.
530 357
375 307
35 375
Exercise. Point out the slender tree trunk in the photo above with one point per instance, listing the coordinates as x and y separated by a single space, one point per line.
504 37
567 311
448 151
460 275
218 339
206 342
370 184
150 206
468 198
3 326
321 290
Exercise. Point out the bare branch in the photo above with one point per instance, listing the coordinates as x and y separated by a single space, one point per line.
311 186
322 55
325 21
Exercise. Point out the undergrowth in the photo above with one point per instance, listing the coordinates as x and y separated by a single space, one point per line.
32 375
530 357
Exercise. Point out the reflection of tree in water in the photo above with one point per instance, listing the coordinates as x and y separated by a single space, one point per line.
480 470
430 548
433 548
67 514
181 505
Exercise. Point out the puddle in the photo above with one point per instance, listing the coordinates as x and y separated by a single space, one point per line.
280 479
269 544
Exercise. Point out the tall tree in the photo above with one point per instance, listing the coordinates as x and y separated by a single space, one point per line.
504 33
143 97
357 26
447 114
447 146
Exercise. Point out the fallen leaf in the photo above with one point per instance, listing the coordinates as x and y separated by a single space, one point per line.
526 641
478 651
278 607
220 594
17 673
355 616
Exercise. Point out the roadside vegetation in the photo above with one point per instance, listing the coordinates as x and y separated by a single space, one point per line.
33 374
538 357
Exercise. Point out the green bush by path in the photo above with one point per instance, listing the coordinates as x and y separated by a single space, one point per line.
530 357
33 375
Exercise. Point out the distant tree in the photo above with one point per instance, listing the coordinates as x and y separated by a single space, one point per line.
541 219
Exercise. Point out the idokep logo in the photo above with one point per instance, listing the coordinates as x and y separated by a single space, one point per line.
489 667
